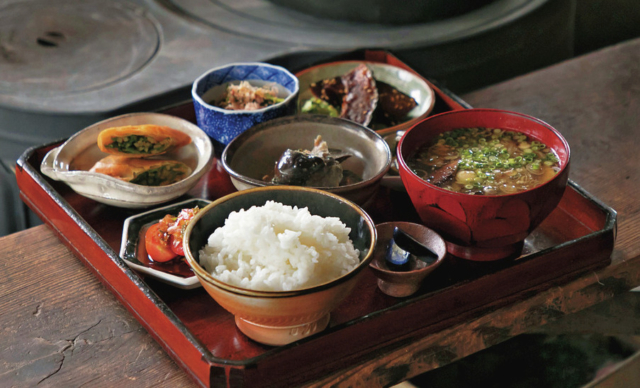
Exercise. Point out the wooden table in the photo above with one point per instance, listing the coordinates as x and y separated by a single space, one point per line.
61 327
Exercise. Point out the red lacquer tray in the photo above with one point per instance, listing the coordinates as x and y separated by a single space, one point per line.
202 337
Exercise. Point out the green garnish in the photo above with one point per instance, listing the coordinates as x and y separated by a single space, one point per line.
484 160
270 100
317 106
134 144
161 175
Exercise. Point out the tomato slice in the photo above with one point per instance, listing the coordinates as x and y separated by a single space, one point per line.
176 245
157 246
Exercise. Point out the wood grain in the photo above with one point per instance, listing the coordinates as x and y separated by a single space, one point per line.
61 327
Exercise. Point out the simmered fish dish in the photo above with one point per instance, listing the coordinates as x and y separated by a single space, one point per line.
318 167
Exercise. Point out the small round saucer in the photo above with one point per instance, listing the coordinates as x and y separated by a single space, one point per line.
405 283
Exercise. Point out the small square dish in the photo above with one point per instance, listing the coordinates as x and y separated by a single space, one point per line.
175 272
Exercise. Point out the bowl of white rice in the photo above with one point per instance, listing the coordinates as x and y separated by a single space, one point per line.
280 258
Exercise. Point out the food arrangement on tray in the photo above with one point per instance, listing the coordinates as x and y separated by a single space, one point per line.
289 228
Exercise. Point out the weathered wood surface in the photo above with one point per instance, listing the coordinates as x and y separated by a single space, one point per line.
61 327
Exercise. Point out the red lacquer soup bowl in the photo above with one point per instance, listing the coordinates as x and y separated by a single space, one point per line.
483 227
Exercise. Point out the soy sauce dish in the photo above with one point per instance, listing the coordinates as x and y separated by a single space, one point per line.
421 251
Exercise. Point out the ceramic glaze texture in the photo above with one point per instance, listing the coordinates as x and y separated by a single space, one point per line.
71 162
403 80
224 125
280 317
405 283
175 272
483 227
252 155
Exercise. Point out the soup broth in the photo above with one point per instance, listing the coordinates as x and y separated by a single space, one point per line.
484 161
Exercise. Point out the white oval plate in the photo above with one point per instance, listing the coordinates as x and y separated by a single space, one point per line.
71 161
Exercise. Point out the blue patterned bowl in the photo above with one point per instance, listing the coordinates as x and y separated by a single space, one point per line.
224 125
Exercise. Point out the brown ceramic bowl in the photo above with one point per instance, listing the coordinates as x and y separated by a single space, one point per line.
405 283
483 227
280 317
254 153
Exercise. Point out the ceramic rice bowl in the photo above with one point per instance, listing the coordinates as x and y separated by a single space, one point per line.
280 317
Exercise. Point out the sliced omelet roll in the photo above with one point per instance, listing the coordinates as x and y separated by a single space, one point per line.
136 141
146 172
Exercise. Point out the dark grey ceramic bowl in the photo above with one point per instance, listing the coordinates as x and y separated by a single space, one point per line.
253 154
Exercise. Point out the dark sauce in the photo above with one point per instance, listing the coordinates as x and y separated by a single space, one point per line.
405 253
177 266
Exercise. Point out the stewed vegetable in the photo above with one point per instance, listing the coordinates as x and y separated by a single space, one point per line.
163 240
359 97
485 161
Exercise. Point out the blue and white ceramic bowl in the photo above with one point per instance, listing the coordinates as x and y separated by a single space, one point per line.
224 125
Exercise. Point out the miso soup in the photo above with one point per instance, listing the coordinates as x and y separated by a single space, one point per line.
484 161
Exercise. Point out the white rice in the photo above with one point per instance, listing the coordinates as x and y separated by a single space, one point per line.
279 248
